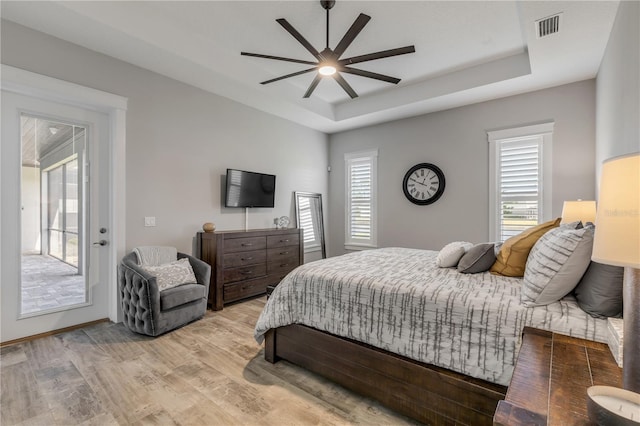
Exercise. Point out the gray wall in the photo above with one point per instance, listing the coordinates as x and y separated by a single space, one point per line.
456 141
618 88
180 140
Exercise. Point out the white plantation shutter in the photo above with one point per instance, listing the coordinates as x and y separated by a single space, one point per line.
520 194
519 185
360 199
361 170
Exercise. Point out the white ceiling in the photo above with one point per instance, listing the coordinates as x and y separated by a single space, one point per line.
466 51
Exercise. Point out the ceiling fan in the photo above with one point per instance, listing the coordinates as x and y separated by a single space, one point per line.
328 62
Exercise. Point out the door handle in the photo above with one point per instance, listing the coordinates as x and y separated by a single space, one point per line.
101 243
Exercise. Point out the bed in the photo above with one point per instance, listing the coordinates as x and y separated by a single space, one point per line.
431 343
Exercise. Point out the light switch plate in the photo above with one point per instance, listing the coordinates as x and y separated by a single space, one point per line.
150 221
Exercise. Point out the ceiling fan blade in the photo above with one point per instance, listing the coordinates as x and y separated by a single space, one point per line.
343 83
370 74
289 75
277 58
287 26
351 34
377 55
313 85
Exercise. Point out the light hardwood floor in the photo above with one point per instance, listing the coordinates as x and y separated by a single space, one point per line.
210 372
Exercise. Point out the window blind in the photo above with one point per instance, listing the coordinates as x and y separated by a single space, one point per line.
360 194
519 185
361 198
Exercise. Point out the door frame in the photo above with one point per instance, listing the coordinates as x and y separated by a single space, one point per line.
46 88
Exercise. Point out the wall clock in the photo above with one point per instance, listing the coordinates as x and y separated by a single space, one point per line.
423 184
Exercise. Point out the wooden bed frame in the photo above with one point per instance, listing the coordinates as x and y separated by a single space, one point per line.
424 392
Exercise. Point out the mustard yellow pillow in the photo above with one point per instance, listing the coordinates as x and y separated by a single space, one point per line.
512 257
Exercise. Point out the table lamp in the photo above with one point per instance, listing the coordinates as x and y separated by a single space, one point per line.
584 211
617 242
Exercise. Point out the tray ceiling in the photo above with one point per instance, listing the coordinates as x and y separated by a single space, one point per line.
466 51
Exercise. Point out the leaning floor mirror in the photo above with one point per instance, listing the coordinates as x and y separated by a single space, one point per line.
309 217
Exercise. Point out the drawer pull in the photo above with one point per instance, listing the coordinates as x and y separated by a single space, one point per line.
246 272
284 241
246 258
282 265
246 244
284 252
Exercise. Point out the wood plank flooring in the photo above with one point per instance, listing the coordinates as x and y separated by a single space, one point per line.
210 372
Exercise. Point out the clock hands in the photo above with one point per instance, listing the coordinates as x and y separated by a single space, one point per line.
430 186
422 183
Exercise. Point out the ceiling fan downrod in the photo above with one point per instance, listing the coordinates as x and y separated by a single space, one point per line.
327 4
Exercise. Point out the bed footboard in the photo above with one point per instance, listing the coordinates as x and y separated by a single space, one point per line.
423 392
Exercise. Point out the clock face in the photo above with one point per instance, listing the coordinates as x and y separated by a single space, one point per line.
423 184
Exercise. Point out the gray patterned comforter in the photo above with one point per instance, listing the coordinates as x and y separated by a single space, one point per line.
398 300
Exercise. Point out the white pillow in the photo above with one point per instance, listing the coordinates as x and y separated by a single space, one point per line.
172 274
451 254
556 264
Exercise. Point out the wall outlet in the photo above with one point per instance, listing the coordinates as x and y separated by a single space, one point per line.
150 221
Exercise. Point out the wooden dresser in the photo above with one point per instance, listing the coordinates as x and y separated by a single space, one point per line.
244 263
550 381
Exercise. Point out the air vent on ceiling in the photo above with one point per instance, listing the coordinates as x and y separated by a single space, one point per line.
549 25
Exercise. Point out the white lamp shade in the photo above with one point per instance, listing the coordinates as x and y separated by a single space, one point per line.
584 211
617 236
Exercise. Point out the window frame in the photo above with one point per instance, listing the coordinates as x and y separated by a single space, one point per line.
360 243
542 131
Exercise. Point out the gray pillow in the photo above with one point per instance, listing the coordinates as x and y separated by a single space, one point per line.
599 292
555 265
478 258
573 225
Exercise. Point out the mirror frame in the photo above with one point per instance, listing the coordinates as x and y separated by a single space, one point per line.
320 214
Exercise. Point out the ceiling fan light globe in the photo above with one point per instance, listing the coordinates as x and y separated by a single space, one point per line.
327 70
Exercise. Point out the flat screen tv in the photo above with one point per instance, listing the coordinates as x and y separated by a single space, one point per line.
250 189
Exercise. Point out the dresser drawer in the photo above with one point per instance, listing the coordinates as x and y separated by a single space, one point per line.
281 268
244 258
283 240
282 260
241 290
283 254
243 273
243 244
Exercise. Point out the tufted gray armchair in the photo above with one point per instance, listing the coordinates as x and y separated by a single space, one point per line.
149 311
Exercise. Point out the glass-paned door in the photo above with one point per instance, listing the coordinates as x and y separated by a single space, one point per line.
58 140
53 216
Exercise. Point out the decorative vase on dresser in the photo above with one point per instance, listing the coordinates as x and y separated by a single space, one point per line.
244 263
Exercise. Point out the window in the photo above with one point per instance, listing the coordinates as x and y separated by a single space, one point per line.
520 179
361 177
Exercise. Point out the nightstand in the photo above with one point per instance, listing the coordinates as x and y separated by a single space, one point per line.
551 377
